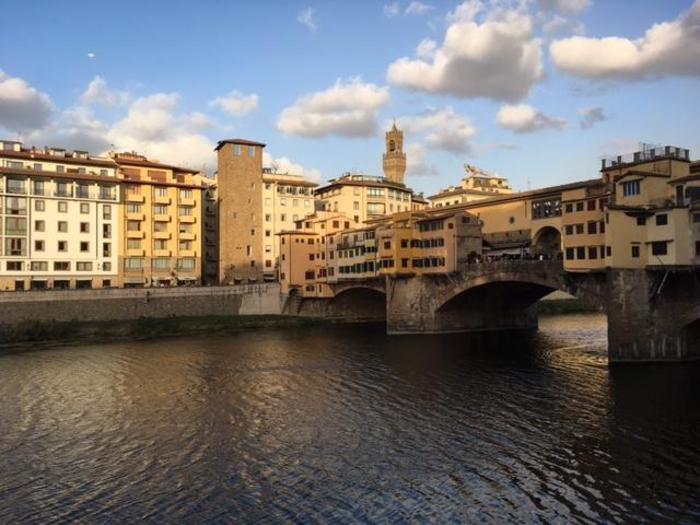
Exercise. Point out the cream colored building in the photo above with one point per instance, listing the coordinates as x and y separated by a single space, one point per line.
59 219
286 200
477 185
160 228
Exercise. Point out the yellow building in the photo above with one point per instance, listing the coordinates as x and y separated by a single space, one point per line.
475 186
59 216
160 227
324 250
652 219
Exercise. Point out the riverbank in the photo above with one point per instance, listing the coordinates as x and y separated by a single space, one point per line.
143 328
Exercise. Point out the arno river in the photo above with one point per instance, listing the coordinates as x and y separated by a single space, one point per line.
345 424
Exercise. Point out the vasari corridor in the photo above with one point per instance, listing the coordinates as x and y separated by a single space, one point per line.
408 261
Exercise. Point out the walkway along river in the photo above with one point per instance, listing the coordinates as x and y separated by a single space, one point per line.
347 424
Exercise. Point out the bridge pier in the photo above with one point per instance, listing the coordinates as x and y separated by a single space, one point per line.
653 316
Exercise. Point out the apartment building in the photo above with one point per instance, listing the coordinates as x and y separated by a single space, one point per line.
59 217
286 200
477 185
653 216
210 231
160 226
324 251
583 227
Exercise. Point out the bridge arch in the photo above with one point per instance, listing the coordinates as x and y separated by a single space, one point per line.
359 303
547 242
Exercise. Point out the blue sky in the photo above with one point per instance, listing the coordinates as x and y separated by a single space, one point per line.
319 81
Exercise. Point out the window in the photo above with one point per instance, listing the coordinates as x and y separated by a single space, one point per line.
579 206
569 254
133 244
404 243
83 266
63 226
15 266
62 206
133 208
185 211
39 205
237 150
161 192
107 212
268 217
15 225
251 151
16 206
590 206
160 263
592 252
160 244
39 266
592 227
659 248
107 266
84 246
133 226
61 266
661 219
185 194
62 246
15 186
63 189
635 252
160 209
579 229
82 192
39 226
608 251
185 245
569 229
387 245
60 169
641 221
84 227
580 252
631 187
39 246
133 263
185 264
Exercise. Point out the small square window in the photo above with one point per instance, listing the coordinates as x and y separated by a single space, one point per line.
62 206
84 208
39 205
39 246
635 252
84 246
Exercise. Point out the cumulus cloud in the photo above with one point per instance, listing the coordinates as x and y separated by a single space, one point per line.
22 107
98 92
666 49
285 165
444 129
591 116
498 58
391 10
417 8
73 128
570 7
523 118
348 108
236 103
416 161
307 17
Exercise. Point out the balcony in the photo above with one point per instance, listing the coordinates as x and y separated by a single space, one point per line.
162 253
162 235
135 234
135 216
188 253
187 201
160 199
135 197
162 218
189 219
82 193
135 252
63 193
188 236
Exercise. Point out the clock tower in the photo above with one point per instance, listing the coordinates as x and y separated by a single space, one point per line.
394 158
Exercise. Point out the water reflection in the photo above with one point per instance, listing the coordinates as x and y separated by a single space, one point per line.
347 424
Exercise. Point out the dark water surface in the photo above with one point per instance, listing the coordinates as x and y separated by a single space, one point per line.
345 424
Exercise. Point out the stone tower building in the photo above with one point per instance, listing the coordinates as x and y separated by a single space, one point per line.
394 158
240 188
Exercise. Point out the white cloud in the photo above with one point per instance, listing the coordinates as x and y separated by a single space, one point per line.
557 24
444 129
426 49
391 10
73 128
285 165
22 107
570 7
91 55
417 8
523 118
591 116
666 49
348 108
307 17
498 58
416 162
236 103
97 92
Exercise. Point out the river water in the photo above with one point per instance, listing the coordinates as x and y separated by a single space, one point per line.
345 424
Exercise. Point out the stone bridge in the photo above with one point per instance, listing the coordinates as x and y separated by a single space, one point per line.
652 315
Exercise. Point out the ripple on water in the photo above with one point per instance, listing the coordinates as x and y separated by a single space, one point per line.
334 424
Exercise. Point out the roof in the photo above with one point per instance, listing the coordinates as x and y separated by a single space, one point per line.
687 178
88 177
296 180
640 173
35 154
347 181
150 164
243 142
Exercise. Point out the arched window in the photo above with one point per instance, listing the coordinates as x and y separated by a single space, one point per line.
392 145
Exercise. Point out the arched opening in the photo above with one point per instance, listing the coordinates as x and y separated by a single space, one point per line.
500 305
547 243
359 305
392 145
691 331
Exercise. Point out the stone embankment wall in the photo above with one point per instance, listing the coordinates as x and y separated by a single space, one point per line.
129 304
